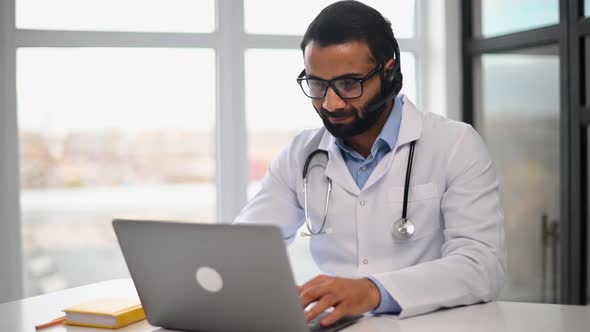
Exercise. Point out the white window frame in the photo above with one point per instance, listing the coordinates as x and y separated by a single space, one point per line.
230 42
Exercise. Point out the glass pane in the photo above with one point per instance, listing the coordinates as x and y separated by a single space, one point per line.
498 17
269 128
117 15
108 133
521 128
587 10
293 17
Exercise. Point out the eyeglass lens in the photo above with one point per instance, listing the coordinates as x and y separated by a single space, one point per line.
346 88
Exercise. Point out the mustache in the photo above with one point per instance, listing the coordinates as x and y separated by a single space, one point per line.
336 114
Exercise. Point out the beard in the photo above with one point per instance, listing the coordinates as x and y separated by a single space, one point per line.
358 125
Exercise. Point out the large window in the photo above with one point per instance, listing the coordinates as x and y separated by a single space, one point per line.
109 132
525 64
151 109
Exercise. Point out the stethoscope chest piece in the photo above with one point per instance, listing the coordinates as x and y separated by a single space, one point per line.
402 229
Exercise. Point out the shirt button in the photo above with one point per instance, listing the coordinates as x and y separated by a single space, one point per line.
366 261
363 203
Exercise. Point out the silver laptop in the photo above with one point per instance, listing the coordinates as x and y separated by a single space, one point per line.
214 277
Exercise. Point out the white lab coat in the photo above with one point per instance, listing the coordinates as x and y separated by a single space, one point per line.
457 255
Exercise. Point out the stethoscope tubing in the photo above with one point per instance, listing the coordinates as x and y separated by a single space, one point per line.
407 182
305 203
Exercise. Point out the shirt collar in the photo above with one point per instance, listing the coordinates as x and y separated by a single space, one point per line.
388 134
391 128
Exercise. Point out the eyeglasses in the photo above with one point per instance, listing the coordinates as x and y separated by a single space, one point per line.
345 87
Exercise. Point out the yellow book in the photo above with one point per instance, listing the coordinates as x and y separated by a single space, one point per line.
108 313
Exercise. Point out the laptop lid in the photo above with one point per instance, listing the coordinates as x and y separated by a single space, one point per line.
211 277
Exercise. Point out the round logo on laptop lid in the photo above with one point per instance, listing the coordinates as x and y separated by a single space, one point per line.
209 279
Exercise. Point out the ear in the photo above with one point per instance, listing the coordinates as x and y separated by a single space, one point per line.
389 65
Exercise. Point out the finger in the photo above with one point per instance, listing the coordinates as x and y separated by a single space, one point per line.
314 291
327 301
314 294
313 284
321 279
333 317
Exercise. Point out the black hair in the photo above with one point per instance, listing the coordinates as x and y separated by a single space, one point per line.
347 21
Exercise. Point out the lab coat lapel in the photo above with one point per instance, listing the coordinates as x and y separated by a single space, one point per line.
336 168
410 130
411 126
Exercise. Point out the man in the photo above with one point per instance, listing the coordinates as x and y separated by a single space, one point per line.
450 251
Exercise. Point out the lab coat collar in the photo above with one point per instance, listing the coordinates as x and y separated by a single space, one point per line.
336 168
410 130
411 126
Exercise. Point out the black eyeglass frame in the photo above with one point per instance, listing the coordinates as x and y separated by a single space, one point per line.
331 84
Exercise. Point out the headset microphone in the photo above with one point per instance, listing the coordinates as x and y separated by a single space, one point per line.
373 107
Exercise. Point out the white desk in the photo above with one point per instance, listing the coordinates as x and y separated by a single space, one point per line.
22 316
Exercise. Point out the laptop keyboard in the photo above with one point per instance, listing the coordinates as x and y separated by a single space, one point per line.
314 325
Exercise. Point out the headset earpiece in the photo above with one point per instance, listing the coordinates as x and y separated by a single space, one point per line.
396 73
392 80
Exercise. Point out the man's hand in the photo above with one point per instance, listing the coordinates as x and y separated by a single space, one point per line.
347 296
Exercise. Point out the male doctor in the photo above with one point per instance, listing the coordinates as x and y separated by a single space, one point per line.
450 251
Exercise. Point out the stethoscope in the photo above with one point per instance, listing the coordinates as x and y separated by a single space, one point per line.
402 229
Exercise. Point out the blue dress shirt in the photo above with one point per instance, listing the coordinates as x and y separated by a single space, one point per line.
361 168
